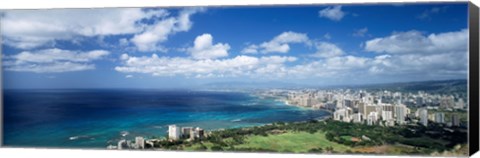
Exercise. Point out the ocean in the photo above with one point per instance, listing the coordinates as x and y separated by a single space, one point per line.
96 118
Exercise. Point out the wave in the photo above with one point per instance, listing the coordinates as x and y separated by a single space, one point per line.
124 133
237 120
80 137
157 127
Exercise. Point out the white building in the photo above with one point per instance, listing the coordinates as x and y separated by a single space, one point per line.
196 133
173 132
400 113
372 118
140 142
440 117
387 115
186 131
122 144
342 114
357 118
390 123
423 114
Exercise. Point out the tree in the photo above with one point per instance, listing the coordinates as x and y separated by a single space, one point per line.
216 148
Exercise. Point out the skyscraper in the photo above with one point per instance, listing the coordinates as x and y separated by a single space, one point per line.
440 117
173 132
400 113
455 120
423 114
140 142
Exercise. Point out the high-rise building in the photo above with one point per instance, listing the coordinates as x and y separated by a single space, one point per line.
386 115
400 113
365 108
357 118
140 142
342 114
173 132
186 131
372 118
440 117
122 144
455 120
447 102
423 114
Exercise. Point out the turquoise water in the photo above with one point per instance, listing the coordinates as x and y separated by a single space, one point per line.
98 118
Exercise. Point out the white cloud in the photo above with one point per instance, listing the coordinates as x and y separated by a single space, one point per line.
154 35
327 50
53 60
327 36
417 42
175 66
333 13
437 56
250 49
205 49
427 14
27 29
129 76
360 32
279 44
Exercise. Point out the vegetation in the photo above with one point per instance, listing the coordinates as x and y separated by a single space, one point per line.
328 137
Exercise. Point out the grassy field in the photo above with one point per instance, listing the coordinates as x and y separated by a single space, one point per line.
292 142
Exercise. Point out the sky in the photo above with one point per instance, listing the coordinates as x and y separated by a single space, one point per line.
193 46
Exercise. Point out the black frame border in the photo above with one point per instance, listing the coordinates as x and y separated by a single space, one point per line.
473 79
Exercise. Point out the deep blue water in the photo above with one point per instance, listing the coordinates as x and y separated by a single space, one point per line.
97 118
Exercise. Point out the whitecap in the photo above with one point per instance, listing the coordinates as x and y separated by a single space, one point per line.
79 137
124 133
157 126
237 120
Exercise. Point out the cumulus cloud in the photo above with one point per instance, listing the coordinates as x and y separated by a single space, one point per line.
176 66
27 29
205 49
360 32
334 13
279 44
151 38
327 50
53 60
416 42
442 55
427 14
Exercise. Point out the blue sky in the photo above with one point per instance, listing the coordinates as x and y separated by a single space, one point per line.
187 47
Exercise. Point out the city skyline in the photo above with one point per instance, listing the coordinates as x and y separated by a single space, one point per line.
187 47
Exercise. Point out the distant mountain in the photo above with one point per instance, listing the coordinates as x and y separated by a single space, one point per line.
251 85
442 86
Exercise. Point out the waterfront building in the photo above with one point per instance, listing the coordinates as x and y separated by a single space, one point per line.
173 132
440 117
186 132
196 133
122 144
139 142
201 132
